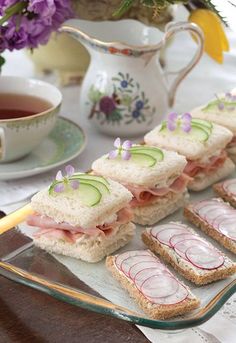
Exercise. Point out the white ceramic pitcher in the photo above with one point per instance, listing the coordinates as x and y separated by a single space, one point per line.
125 91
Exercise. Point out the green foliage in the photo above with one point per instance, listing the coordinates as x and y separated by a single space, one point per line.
158 5
2 61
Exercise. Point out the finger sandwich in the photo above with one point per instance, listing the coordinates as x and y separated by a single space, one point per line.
221 110
154 177
82 216
203 144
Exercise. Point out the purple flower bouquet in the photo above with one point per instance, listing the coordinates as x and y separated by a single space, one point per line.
28 23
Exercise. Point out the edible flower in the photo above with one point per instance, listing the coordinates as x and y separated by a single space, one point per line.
228 102
62 182
121 150
175 121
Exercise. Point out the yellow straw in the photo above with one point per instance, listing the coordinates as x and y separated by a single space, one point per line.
15 218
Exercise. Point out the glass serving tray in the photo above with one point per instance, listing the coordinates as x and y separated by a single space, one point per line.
91 286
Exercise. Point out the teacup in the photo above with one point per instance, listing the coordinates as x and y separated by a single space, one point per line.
22 129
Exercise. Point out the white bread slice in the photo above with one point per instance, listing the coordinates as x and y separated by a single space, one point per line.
185 145
162 174
221 117
161 208
66 207
89 248
202 181
232 153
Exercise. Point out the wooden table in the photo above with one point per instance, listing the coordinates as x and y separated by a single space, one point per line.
27 315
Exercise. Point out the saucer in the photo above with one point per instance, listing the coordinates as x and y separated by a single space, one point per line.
65 142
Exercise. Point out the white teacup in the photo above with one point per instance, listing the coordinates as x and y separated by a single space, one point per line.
19 136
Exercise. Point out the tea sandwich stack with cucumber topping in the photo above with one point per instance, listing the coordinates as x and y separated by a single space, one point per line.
154 176
82 216
221 110
203 144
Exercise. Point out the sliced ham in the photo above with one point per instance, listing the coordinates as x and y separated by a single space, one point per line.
195 167
144 195
70 233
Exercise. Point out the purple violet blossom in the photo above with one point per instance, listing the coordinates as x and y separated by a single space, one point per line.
184 122
65 181
121 150
226 102
32 25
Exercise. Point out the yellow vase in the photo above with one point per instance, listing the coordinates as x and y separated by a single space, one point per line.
63 55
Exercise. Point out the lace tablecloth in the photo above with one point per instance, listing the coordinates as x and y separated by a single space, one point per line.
206 79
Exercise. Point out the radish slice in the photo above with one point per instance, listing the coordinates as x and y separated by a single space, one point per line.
205 212
176 298
228 228
159 286
144 274
165 235
182 246
156 229
221 218
130 261
120 258
204 257
230 186
182 237
136 268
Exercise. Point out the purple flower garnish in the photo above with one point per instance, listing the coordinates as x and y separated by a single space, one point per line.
186 122
121 150
62 182
174 121
228 102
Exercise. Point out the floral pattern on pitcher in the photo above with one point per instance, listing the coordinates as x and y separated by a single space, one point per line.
126 103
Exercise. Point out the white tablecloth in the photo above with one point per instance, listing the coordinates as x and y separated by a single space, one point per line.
206 79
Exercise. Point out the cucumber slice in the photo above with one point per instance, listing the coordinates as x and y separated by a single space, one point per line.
99 185
153 152
91 177
206 125
202 122
143 159
199 133
89 194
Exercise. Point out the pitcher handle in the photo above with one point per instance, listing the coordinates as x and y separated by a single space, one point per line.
171 29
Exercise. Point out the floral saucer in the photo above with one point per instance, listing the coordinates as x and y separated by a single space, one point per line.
65 142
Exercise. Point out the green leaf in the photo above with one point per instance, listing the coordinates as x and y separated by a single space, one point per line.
2 61
124 7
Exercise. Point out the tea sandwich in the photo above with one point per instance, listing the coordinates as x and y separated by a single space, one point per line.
154 176
227 191
82 216
149 282
203 144
216 218
188 253
221 110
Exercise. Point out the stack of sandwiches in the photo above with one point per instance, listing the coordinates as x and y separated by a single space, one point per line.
203 146
222 111
89 216
154 177
87 223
